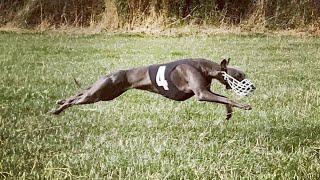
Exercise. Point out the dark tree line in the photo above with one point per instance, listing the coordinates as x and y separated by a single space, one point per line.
282 14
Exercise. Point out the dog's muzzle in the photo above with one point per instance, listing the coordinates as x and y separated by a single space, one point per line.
242 88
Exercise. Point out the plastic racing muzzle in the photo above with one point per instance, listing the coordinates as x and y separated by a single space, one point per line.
242 88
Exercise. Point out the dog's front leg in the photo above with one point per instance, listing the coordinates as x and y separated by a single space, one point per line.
229 111
206 95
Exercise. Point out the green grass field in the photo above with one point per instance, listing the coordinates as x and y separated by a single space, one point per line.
142 135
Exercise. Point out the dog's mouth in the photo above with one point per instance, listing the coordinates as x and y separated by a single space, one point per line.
242 88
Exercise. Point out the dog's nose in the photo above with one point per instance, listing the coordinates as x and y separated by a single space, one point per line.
253 87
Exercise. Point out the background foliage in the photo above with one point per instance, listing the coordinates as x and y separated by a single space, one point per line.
270 14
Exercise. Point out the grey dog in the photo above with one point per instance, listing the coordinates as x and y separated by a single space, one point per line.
178 80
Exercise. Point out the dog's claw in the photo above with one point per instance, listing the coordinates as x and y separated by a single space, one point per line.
54 112
229 115
247 107
60 102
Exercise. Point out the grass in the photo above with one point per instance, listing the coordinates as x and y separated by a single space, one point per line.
142 135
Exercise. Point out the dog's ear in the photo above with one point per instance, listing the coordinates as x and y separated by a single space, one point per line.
224 64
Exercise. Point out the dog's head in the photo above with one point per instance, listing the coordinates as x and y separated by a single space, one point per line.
227 74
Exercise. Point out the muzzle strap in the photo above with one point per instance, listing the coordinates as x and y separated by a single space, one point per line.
242 88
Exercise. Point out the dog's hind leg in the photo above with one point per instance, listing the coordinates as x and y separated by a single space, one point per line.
105 89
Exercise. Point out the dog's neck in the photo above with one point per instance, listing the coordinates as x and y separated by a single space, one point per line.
210 69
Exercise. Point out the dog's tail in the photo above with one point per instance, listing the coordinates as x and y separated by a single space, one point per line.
77 82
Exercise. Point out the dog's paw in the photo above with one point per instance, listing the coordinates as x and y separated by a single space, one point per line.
54 112
60 102
229 115
247 107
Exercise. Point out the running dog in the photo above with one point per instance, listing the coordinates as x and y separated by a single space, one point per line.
178 80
